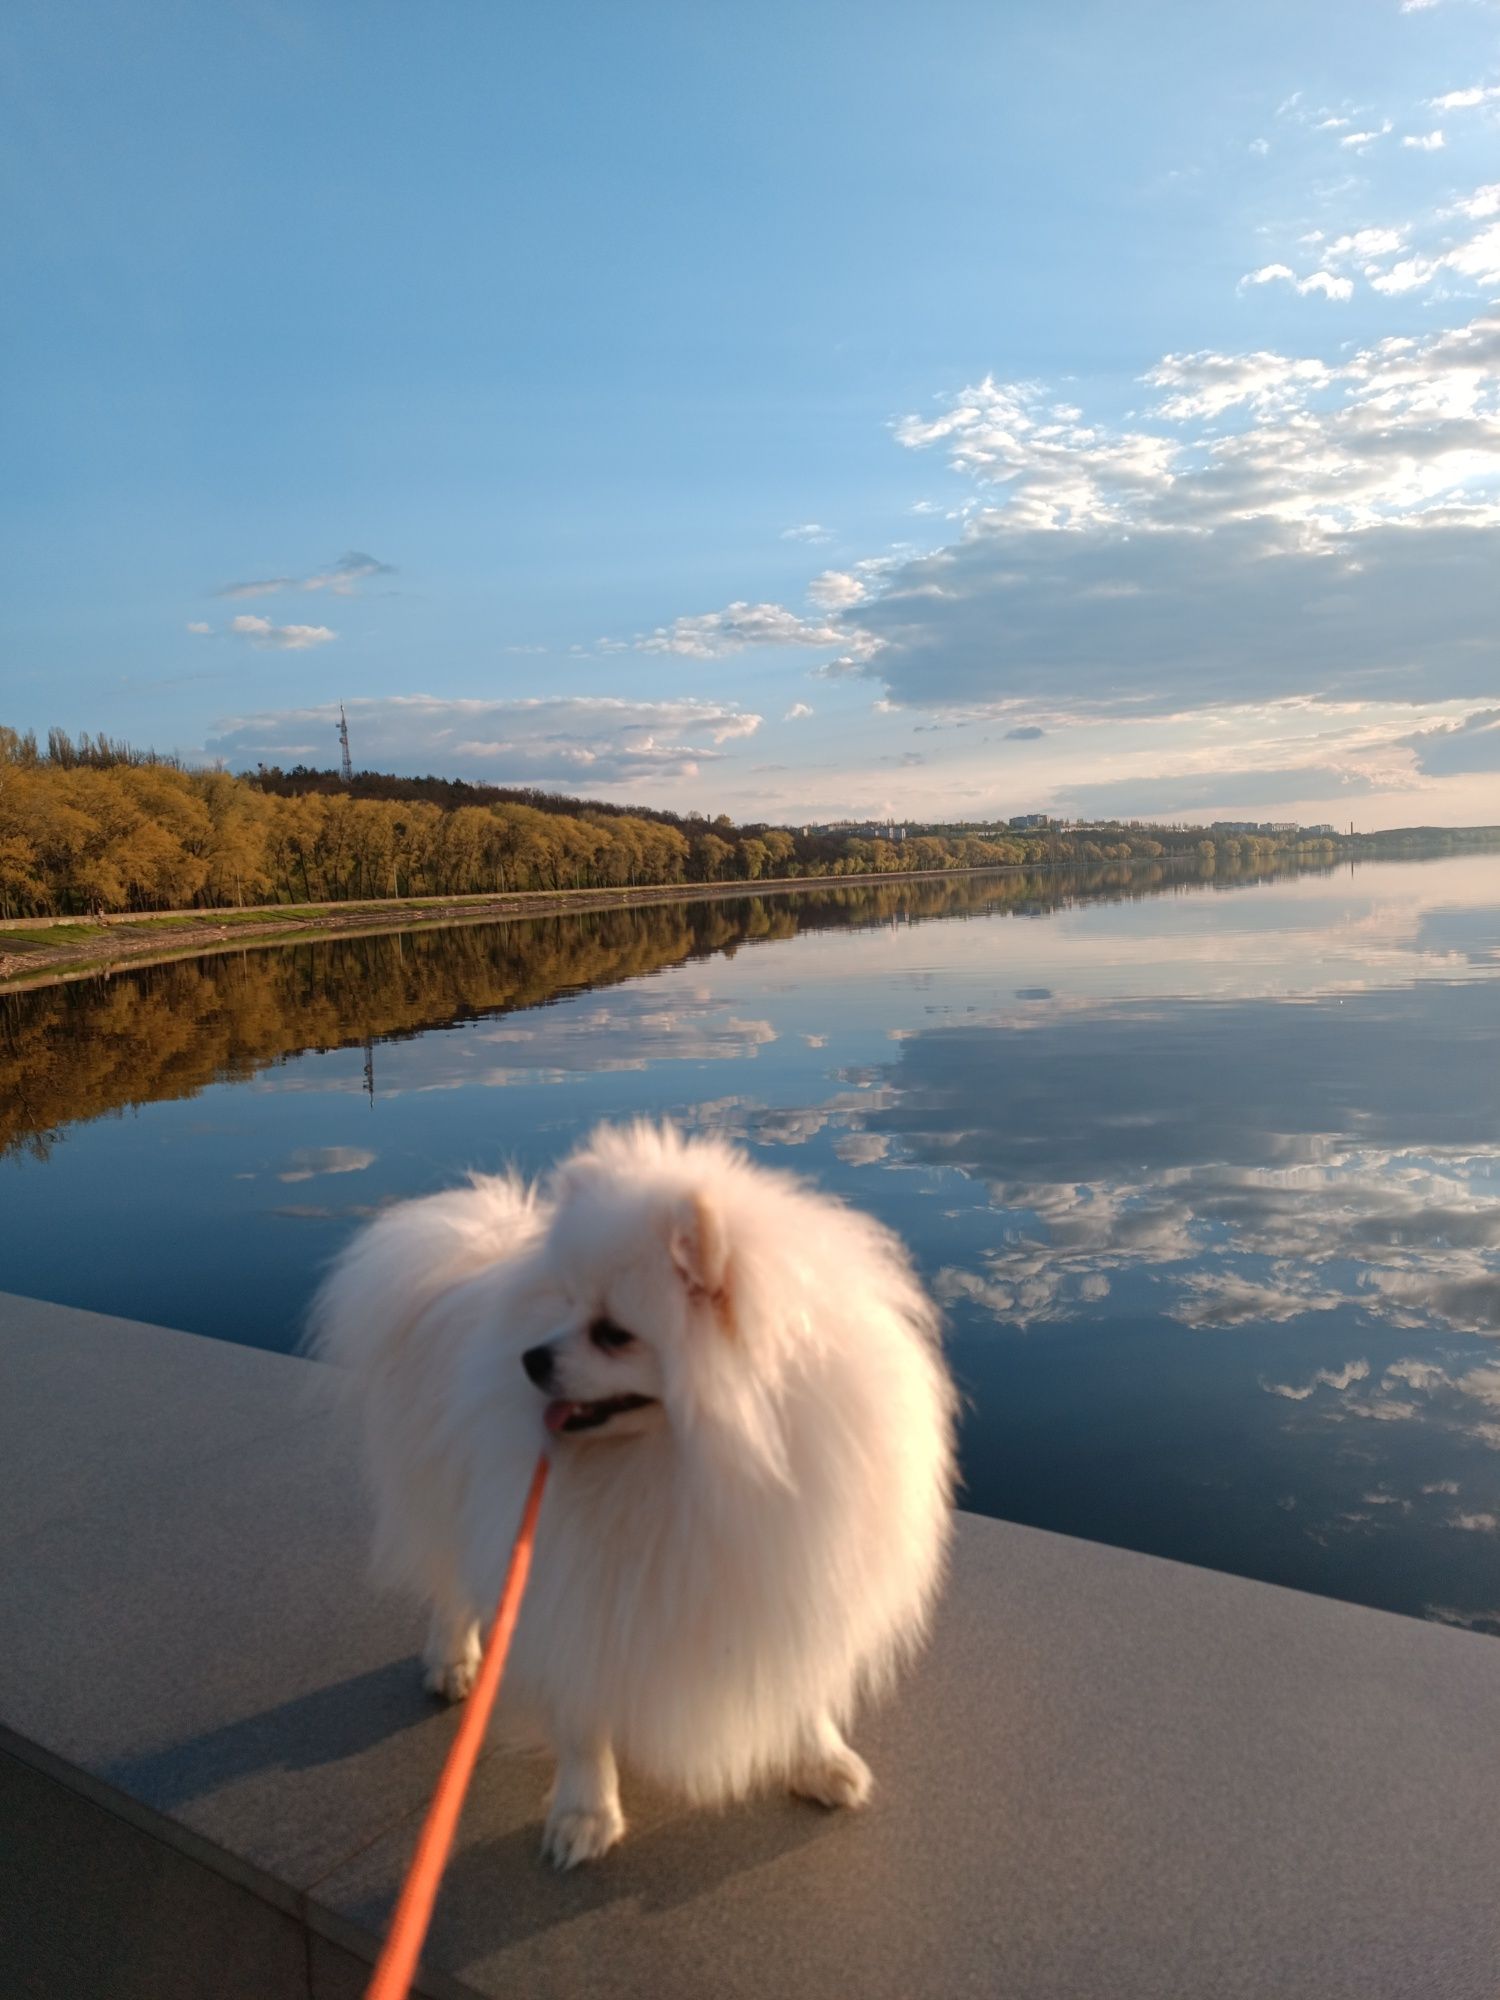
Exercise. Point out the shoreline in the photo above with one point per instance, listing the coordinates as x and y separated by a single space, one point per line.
70 948
98 947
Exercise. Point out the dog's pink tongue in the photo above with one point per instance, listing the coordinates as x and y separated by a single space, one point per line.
556 1415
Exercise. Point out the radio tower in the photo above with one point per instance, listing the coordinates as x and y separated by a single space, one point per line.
346 769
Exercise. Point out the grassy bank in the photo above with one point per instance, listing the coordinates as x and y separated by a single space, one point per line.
40 951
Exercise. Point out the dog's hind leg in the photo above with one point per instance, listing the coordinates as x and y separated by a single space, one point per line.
828 1771
450 1658
584 1819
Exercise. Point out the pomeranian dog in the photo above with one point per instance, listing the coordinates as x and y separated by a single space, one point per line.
751 1430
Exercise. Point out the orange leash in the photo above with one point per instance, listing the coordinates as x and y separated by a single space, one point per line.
403 1946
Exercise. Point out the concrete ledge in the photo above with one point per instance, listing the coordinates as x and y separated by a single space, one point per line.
92 1904
1112 1776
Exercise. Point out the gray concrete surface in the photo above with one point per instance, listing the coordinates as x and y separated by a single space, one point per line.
1112 1776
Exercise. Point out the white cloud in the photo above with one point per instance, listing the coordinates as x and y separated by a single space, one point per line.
1358 141
716 633
1425 142
1213 1299
1325 1378
836 590
862 1149
1468 99
807 531
1327 282
1059 471
310 1161
1267 273
285 638
1208 384
199 626
342 578
1479 258
580 742
1406 276
1084 1234
797 710
1362 243
632 1030
1423 1376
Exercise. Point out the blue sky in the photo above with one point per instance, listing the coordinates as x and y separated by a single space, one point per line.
794 410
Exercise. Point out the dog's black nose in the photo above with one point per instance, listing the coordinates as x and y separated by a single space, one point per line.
539 1363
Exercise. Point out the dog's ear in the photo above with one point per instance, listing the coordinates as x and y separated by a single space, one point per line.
700 1249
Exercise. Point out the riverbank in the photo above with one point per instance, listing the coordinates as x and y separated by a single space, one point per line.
42 951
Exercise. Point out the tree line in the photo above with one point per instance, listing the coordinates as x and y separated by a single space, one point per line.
92 826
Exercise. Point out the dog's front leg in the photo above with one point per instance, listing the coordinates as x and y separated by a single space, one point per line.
584 1819
450 1658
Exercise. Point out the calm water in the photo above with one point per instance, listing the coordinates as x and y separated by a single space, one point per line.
1205 1172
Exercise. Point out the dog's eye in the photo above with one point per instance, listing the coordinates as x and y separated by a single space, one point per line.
604 1333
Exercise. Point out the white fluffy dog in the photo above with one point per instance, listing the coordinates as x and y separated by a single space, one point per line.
751 1432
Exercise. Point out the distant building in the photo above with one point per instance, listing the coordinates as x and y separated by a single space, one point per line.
1323 828
1030 823
1264 827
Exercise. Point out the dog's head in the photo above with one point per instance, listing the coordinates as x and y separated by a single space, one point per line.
645 1253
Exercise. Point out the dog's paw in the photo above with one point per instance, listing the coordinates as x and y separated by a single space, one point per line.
577 1833
842 1778
451 1680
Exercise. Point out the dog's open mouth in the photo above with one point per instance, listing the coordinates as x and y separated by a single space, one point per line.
563 1419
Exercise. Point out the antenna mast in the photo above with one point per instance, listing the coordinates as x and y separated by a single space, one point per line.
347 769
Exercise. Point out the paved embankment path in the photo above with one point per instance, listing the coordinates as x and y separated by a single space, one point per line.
1113 1778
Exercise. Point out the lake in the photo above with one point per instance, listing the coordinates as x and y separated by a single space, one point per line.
1205 1169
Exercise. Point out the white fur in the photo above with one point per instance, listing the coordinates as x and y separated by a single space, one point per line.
719 1578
